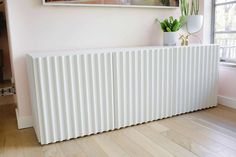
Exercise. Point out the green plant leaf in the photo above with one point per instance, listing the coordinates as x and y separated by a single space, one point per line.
176 27
182 20
166 23
171 19
163 27
192 8
171 24
168 29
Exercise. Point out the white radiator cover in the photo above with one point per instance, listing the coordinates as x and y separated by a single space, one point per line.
90 91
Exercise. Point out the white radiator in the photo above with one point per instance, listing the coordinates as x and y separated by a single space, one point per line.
91 91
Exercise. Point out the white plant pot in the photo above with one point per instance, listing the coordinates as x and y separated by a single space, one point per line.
194 23
170 38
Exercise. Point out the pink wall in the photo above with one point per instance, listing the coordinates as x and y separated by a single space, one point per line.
36 28
227 82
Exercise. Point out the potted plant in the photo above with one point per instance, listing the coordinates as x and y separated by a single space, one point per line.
194 21
165 2
170 27
191 12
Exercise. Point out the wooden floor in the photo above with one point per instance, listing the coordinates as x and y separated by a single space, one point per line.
208 133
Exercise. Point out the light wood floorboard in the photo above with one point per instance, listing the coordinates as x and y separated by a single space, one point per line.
206 133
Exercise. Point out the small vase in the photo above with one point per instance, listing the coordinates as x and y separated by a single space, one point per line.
170 38
194 23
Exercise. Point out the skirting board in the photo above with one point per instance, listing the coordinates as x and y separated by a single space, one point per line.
24 122
226 101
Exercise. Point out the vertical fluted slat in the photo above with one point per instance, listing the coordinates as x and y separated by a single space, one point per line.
50 98
171 85
188 77
206 78
173 81
100 88
57 86
95 109
70 106
110 91
181 82
76 94
198 78
178 81
193 83
42 102
148 103
137 87
185 71
65 98
161 84
132 88
142 84
82 94
120 87
155 84
125 87
201 77
38 99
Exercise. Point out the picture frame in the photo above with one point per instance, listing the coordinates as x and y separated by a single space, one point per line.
169 4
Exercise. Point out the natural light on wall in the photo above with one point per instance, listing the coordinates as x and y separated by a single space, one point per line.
225 29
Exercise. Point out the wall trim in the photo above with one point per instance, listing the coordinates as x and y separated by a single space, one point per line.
24 122
226 101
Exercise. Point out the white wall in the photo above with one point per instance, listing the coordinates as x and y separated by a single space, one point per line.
36 28
227 82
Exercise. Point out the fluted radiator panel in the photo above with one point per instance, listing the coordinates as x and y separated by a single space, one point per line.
156 83
86 92
73 96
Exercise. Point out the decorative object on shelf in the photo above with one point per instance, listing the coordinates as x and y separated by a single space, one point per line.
165 2
184 7
184 40
115 3
194 21
170 38
195 7
170 27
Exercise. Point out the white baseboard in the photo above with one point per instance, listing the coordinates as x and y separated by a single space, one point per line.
226 101
24 122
